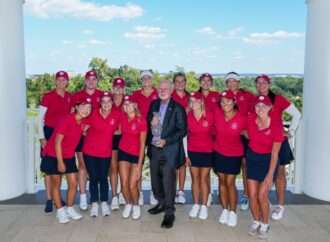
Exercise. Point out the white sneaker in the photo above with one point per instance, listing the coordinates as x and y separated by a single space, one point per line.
263 231
105 209
254 227
73 214
278 212
94 210
114 203
209 200
194 211
203 213
223 219
83 202
136 212
62 216
127 211
180 197
141 200
244 203
153 200
232 219
121 199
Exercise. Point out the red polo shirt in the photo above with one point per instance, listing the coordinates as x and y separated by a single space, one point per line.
72 131
57 107
98 141
95 97
244 101
144 101
183 101
200 132
280 104
211 100
261 141
131 130
228 133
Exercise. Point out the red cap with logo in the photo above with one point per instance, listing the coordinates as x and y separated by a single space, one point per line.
91 73
84 100
206 75
62 74
106 94
228 94
118 82
128 98
265 77
196 95
264 99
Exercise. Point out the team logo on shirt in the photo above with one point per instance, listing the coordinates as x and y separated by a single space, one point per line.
133 127
234 126
205 124
241 98
268 132
154 97
112 121
214 99
98 99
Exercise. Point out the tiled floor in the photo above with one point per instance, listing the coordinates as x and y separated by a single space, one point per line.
27 223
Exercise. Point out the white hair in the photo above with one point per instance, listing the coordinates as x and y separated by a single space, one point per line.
168 82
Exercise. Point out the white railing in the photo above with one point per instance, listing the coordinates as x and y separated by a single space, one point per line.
34 178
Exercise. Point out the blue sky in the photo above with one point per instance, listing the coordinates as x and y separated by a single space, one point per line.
214 36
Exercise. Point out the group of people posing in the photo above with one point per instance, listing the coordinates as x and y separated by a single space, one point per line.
111 133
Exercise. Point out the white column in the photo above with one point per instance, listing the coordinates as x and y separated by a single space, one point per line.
12 99
316 110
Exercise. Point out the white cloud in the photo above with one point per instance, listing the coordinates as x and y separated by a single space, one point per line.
67 42
146 34
267 38
81 9
96 42
231 34
88 32
206 30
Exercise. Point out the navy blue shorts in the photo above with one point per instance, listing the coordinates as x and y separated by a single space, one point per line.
245 142
49 166
123 156
48 131
200 159
80 144
257 165
115 141
230 165
285 156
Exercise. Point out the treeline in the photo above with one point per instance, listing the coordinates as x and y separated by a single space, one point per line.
291 87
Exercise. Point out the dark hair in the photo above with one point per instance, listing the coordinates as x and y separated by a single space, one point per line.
181 74
271 96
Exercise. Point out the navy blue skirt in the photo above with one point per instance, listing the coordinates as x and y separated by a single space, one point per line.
285 155
245 142
230 165
123 156
257 165
49 166
115 141
200 159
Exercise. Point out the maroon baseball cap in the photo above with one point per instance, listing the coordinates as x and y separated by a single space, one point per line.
62 74
91 73
118 81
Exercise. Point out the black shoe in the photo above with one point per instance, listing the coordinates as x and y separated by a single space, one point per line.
157 209
168 221
49 206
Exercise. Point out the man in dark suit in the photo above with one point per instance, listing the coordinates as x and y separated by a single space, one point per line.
167 123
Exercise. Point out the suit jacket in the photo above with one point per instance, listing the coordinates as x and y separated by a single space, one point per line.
173 130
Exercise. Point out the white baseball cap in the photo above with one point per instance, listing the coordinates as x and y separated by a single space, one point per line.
146 73
232 75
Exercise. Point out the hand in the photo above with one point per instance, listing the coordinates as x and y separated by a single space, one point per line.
269 180
161 143
85 129
43 143
188 162
138 173
61 166
155 120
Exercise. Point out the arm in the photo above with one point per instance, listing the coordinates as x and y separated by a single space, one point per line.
180 125
58 151
273 164
296 116
143 137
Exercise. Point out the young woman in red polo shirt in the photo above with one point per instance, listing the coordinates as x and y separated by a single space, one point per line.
200 126
244 101
229 150
97 150
90 91
60 159
118 94
143 97
54 105
131 156
181 96
211 100
280 105
265 138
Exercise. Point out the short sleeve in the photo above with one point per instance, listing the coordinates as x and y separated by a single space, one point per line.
143 125
278 132
282 102
62 127
45 100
